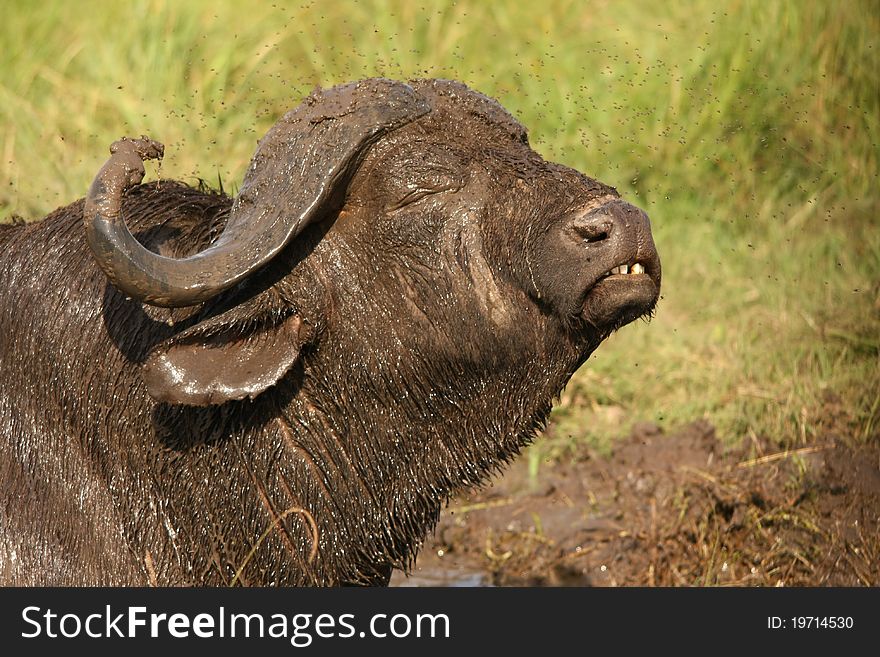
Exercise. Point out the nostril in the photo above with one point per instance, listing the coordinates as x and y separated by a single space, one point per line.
593 229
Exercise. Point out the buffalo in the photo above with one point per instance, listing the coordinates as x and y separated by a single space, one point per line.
285 387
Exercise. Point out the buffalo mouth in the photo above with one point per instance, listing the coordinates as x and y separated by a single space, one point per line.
622 294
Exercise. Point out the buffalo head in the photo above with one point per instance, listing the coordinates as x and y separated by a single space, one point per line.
393 228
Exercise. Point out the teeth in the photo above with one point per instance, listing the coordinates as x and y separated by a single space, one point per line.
625 269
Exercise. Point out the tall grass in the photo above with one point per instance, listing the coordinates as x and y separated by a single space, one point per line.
748 130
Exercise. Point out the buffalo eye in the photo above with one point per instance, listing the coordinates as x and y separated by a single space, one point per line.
424 182
417 170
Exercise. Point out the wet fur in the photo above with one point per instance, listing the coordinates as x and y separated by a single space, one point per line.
428 359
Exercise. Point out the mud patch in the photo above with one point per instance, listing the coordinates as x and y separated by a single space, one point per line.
669 510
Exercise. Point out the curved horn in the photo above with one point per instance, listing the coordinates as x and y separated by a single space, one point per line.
310 154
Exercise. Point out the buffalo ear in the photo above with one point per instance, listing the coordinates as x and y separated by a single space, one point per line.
217 361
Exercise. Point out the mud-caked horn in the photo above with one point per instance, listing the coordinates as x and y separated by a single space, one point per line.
303 162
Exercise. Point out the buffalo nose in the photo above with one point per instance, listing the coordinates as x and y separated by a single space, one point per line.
595 226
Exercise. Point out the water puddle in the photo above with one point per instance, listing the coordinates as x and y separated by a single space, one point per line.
441 577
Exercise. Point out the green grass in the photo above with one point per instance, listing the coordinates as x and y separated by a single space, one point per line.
750 132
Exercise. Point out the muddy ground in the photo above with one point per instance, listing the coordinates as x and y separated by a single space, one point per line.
669 510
